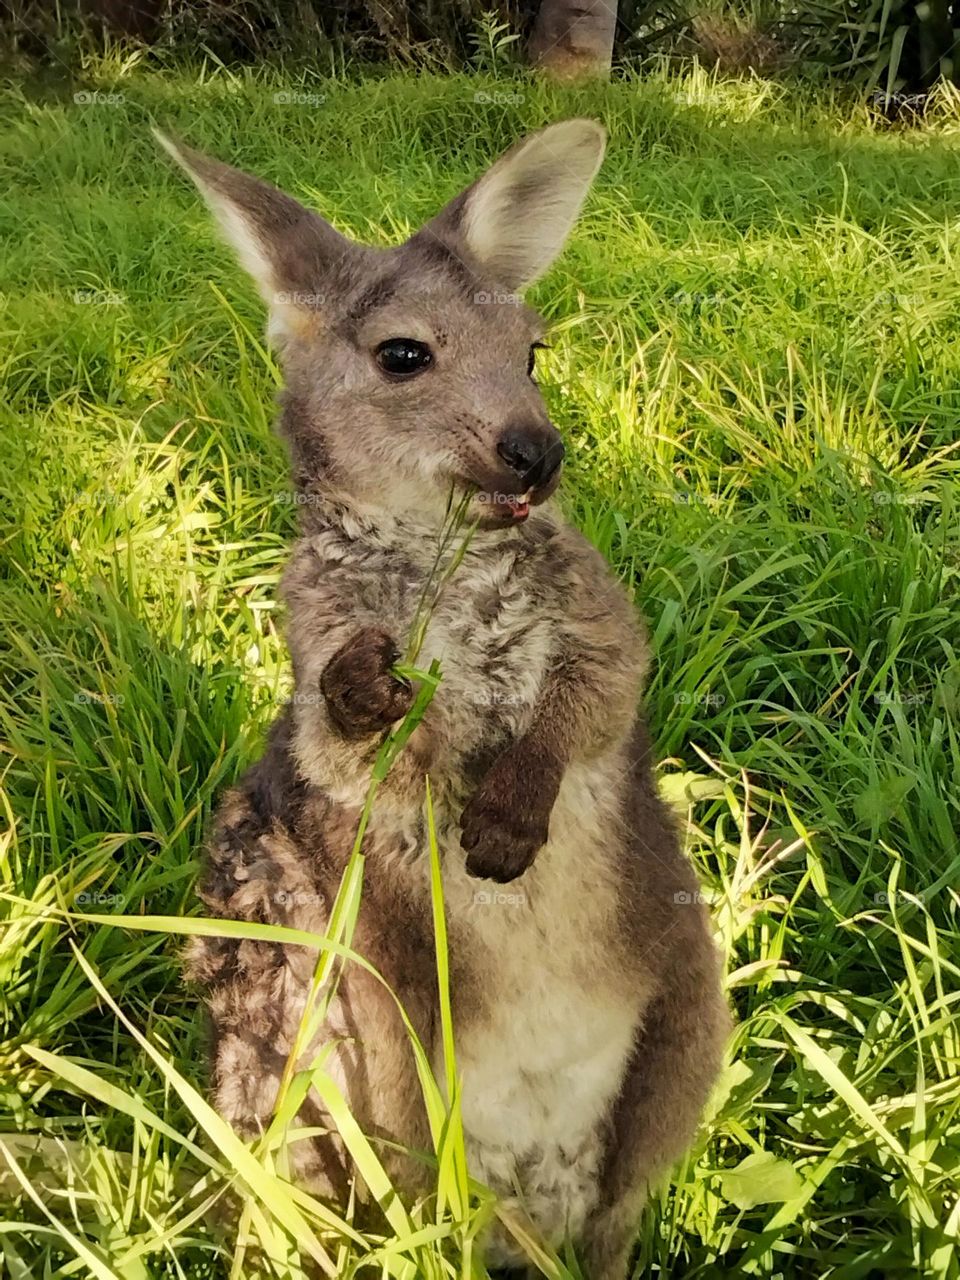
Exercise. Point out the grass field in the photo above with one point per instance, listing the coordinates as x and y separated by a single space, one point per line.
756 365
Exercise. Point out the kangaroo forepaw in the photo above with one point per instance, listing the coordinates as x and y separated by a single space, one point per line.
363 697
506 821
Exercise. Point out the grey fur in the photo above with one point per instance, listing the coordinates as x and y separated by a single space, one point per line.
586 991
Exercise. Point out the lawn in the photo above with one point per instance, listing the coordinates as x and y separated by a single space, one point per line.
755 363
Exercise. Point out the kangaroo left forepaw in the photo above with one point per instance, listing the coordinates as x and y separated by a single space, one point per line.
506 821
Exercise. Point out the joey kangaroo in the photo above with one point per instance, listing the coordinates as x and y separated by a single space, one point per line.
587 1005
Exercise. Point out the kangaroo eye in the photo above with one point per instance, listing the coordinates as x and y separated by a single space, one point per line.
403 357
532 357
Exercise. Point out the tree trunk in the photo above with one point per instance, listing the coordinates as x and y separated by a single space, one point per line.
572 39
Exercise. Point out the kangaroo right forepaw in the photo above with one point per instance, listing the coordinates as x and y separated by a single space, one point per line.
363 697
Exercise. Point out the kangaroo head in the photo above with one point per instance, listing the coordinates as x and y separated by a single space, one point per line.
409 370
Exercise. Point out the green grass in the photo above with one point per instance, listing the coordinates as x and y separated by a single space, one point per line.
756 367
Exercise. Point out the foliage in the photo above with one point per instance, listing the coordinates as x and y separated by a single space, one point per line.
893 45
896 46
240 31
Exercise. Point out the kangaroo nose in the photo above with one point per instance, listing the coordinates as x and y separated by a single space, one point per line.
534 457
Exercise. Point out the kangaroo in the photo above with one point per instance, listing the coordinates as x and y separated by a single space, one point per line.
586 996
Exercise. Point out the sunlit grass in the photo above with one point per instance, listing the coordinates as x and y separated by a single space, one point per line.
755 366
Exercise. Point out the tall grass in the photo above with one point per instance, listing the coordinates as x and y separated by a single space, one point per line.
755 365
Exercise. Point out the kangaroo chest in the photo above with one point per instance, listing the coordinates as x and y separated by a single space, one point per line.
493 635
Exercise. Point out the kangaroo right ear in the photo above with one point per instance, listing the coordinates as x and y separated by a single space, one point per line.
288 250
515 219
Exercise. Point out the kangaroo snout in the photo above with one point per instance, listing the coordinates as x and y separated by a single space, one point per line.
533 453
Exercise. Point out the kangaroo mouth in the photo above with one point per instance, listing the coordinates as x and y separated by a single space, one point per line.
508 507
499 508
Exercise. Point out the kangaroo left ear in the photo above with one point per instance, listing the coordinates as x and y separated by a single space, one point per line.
288 250
514 220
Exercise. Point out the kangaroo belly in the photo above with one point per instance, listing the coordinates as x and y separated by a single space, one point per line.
545 1018
539 1077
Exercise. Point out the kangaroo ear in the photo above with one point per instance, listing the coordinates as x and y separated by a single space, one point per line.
289 251
515 218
